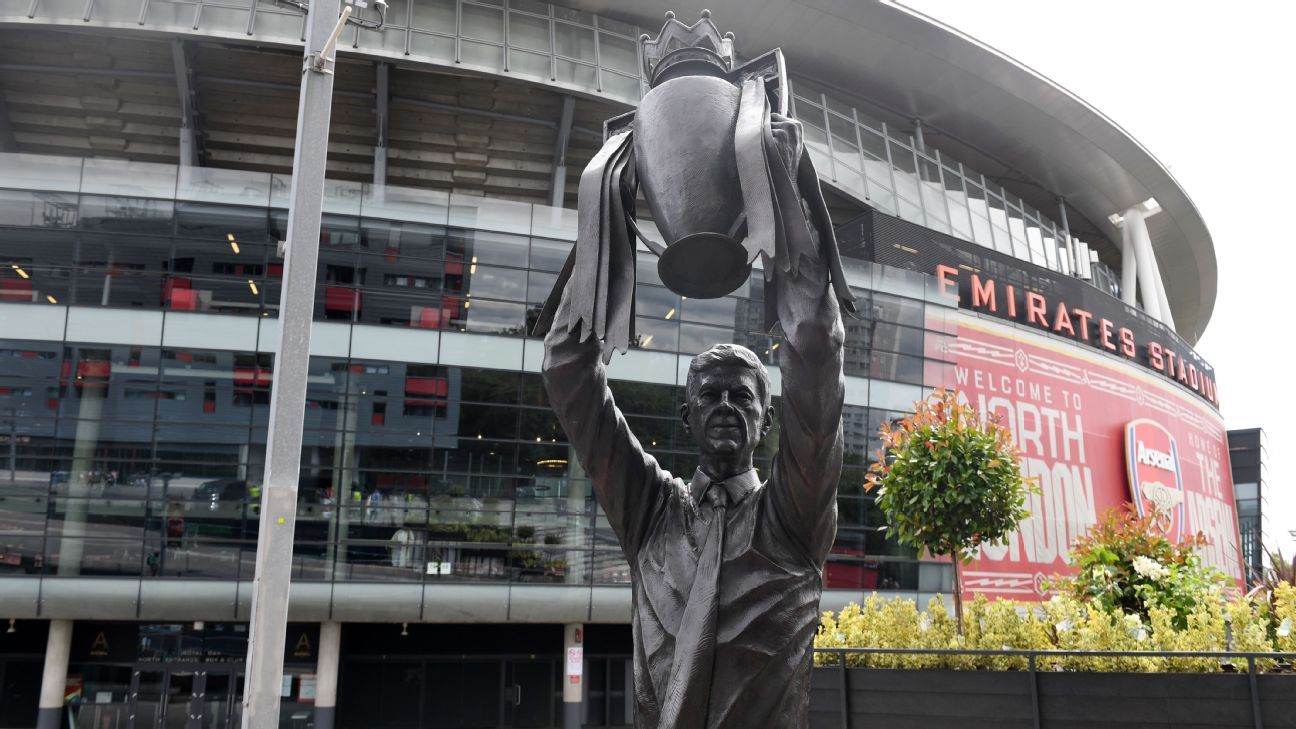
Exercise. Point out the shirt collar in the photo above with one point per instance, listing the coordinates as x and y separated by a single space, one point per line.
738 485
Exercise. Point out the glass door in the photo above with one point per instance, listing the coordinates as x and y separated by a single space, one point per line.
146 698
529 692
213 702
165 698
183 688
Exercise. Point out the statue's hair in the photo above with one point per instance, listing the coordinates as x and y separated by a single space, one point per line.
728 354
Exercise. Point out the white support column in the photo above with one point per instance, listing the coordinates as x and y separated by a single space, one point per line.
573 686
1134 234
272 579
54 677
326 675
1167 317
1129 267
558 187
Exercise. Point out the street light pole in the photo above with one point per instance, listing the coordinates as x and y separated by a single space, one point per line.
270 586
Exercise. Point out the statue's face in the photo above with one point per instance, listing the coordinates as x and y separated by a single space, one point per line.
725 413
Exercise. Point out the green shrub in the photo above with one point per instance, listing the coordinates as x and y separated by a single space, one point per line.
1126 566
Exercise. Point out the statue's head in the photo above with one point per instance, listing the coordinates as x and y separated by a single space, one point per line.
727 404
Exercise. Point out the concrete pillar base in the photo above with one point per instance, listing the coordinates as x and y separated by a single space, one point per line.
49 718
571 716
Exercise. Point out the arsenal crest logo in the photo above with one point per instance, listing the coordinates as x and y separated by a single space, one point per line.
1155 478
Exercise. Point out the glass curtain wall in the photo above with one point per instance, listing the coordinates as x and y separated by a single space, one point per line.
134 399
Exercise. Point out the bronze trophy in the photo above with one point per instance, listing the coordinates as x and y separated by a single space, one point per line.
725 174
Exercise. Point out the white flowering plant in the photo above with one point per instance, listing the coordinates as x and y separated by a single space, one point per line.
1127 566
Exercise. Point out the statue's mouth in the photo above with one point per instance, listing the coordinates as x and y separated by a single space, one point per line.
726 425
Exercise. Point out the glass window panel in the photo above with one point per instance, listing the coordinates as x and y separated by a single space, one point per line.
897 310
959 220
539 285
906 177
530 6
532 64
526 31
843 140
576 16
481 54
624 86
656 334
849 178
874 144
493 317
21 208
815 137
574 42
391 38
223 20
473 248
577 74
894 338
695 338
896 367
403 243
433 46
620 54
910 211
481 23
616 26
126 214
490 282
166 14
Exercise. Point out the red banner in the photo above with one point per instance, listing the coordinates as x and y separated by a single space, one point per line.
1075 413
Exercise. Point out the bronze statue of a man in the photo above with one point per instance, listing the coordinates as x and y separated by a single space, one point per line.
726 568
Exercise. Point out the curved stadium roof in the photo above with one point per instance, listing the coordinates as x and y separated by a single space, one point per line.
979 101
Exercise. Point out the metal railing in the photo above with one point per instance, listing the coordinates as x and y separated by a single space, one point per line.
1032 668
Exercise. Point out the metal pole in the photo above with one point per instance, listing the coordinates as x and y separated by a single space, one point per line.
382 98
845 690
1034 687
270 585
1256 717
184 89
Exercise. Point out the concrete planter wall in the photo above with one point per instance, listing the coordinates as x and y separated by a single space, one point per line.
939 699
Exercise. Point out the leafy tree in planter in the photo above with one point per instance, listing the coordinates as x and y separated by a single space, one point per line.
948 481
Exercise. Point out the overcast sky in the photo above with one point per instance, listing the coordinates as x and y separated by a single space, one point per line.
1208 89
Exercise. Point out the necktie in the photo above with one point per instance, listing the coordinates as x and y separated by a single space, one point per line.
688 697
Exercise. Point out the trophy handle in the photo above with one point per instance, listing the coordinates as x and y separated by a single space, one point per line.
771 67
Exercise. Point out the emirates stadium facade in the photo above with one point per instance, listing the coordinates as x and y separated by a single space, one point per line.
451 568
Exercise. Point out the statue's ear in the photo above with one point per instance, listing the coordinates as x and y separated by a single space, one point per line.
684 415
768 421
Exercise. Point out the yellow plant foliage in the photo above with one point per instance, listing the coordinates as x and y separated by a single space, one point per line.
1061 623
1285 617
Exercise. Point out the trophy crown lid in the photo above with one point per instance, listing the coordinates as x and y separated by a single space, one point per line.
687 49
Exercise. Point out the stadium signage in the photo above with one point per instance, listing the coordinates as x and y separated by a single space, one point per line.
983 293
